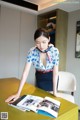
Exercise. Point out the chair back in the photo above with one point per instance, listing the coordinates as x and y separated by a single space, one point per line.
67 82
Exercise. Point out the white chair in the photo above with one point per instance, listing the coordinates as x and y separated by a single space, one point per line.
67 85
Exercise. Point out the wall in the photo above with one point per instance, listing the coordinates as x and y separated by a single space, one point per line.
73 64
16 37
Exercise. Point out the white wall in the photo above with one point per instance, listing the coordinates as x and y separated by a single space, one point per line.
16 37
73 64
28 25
9 42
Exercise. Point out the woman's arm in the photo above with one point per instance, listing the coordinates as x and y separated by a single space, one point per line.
24 77
23 80
55 79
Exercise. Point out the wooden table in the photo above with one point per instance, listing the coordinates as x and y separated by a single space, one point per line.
9 86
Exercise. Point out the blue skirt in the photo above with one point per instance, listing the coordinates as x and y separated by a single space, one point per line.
44 80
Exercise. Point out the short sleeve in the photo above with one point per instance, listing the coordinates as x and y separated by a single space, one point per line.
29 57
56 56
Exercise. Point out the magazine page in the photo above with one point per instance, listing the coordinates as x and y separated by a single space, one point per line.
20 108
30 102
49 107
14 104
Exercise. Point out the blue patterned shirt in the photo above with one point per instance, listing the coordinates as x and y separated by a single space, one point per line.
34 57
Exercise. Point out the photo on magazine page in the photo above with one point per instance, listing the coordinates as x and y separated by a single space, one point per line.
48 104
29 101
49 107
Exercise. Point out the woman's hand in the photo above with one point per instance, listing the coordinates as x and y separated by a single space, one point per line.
56 94
12 98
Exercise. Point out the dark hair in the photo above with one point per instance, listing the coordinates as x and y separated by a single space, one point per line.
41 32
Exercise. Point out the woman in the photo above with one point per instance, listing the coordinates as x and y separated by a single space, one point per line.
45 58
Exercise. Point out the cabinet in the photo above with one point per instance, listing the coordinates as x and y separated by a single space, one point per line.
61 31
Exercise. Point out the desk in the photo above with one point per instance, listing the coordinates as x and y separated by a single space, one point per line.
8 86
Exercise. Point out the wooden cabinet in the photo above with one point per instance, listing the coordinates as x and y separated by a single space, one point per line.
61 31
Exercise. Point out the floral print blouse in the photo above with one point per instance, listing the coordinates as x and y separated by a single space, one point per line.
52 58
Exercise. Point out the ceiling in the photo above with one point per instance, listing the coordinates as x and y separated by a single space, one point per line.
40 6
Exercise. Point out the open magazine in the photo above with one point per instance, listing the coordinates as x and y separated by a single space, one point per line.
46 106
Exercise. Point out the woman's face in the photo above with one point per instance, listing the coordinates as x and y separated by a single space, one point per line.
42 43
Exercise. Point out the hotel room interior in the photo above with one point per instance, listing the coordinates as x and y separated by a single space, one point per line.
18 22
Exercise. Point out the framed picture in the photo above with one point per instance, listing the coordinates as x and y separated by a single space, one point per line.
77 47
